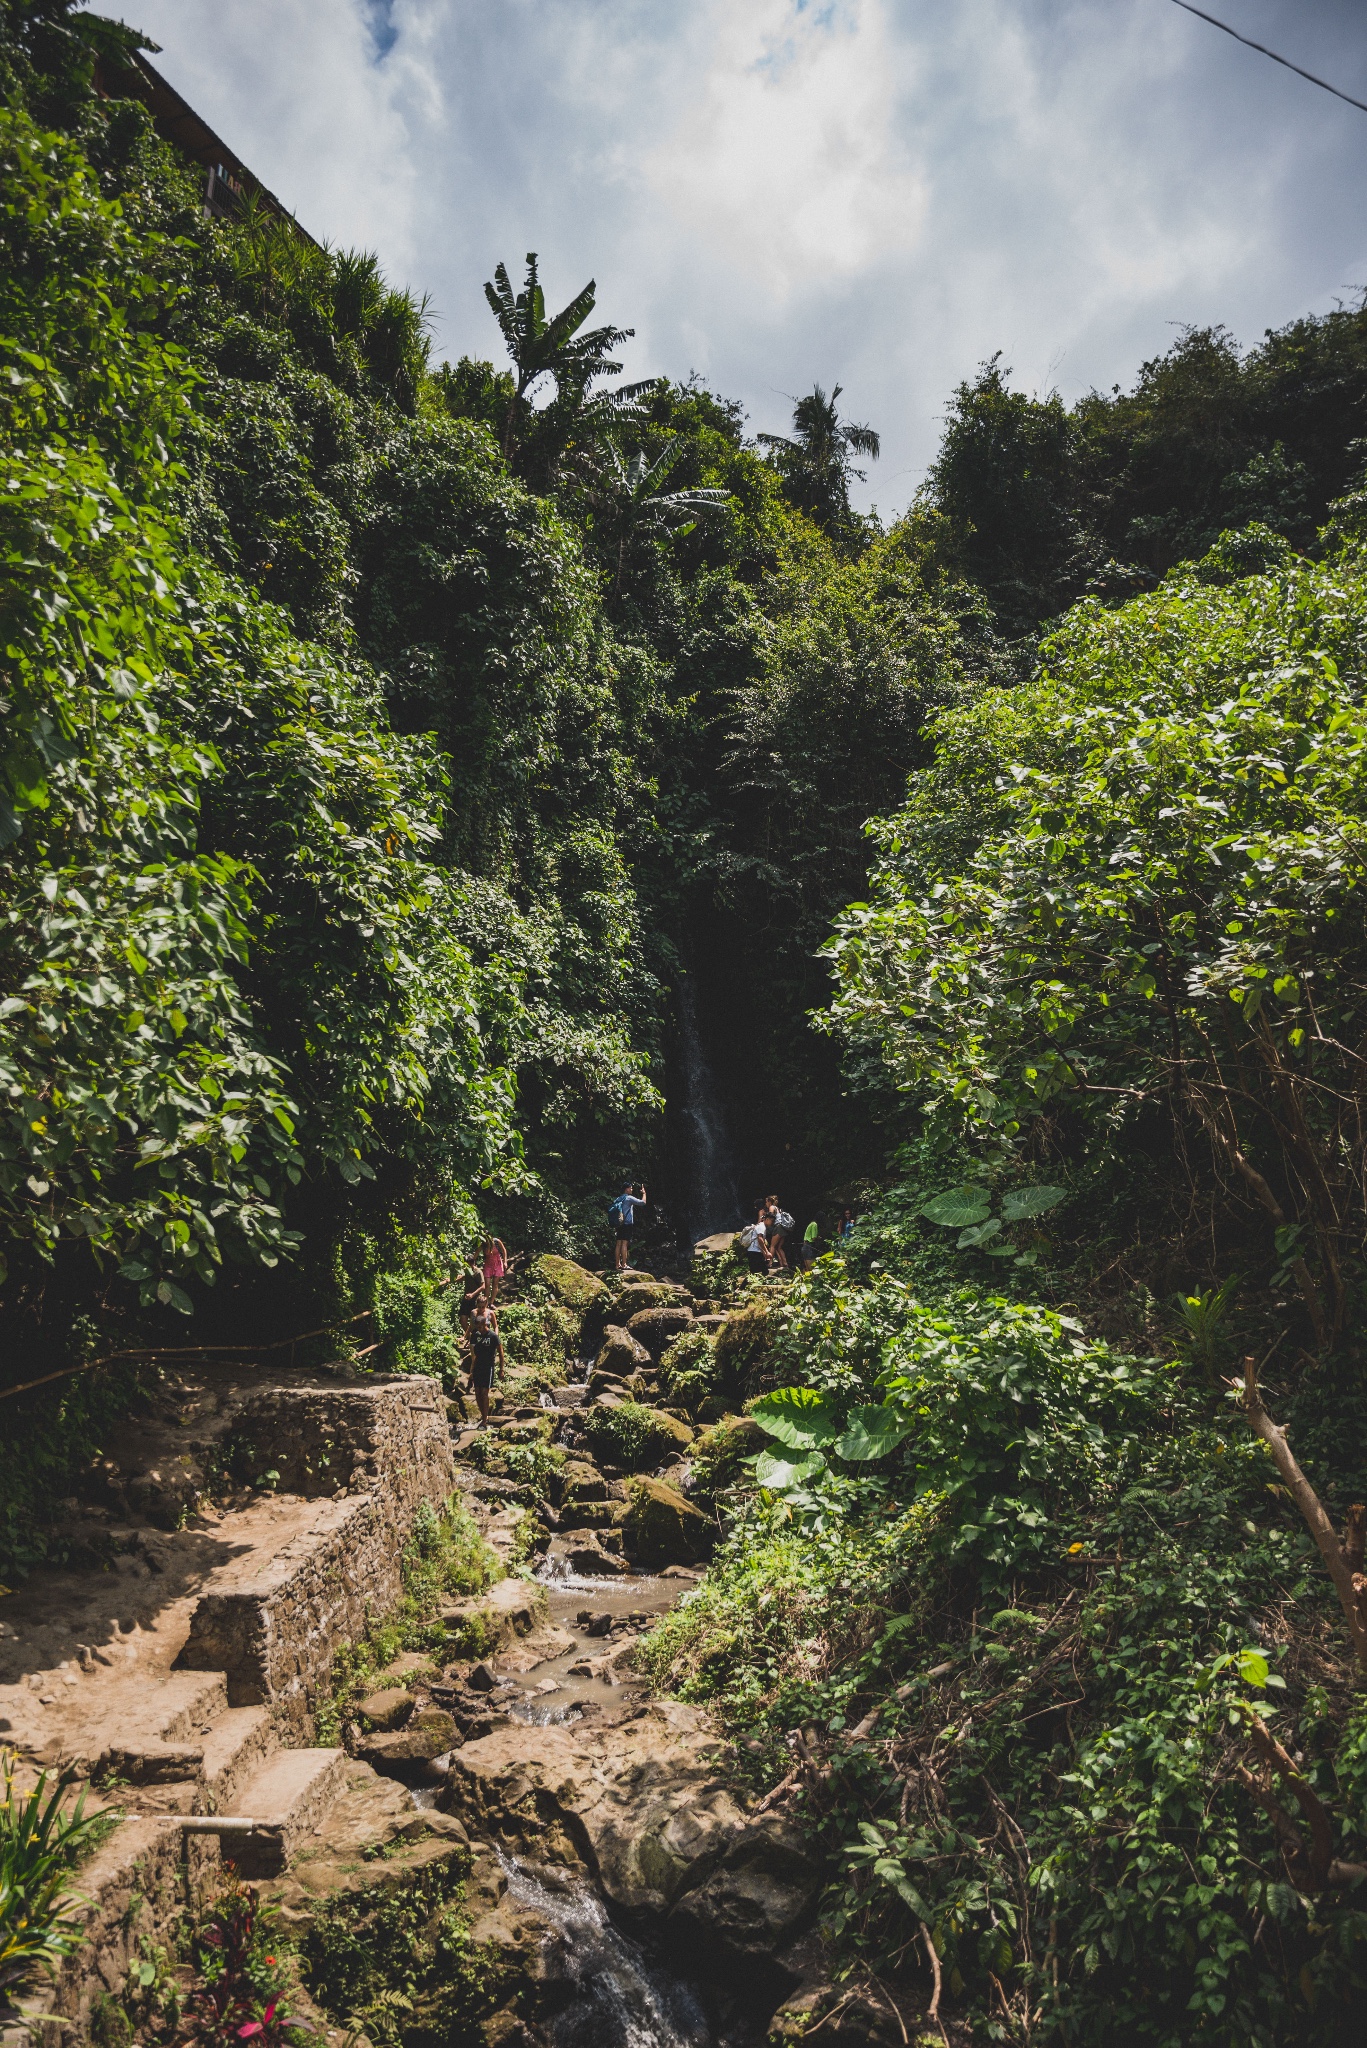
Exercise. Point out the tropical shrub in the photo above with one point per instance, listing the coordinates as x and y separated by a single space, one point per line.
43 1836
1015 1610
1128 899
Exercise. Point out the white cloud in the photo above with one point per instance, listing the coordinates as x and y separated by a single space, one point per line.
775 191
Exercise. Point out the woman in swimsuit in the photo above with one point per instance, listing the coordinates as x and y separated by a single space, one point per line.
495 1265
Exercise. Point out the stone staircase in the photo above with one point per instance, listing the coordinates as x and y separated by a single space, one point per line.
189 1706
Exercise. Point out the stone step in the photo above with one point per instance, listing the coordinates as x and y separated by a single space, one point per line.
287 1796
234 1749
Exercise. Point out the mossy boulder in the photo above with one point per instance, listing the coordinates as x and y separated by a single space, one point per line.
620 1354
716 1408
387 1710
406 1753
656 1327
743 1349
648 1294
613 1383
571 1285
632 1437
662 1527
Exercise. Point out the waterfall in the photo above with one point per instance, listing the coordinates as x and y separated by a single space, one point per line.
619 1999
713 1197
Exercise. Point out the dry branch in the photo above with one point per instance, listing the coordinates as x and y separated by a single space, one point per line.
1343 1561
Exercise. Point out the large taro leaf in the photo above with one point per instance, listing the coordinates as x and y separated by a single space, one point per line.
781 1473
958 1208
1023 1202
798 1417
871 1433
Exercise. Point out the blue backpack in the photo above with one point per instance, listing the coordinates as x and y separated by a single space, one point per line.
622 1210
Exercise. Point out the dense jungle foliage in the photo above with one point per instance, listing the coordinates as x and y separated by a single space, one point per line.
387 749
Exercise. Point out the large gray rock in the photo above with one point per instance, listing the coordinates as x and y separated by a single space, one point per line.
620 1354
643 1808
584 1556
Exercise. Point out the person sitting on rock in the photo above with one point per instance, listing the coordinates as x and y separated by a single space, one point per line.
623 1217
486 1347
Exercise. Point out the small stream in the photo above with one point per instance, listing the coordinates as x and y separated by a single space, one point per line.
618 1997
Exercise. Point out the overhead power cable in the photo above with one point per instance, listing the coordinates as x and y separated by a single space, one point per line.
1263 51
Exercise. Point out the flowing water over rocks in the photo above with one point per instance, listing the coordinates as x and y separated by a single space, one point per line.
618 1997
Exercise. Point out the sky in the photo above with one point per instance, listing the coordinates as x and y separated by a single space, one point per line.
879 193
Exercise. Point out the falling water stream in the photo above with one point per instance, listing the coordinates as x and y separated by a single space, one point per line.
618 1997
713 1194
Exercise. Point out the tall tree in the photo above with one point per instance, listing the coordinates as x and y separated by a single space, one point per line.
555 348
816 463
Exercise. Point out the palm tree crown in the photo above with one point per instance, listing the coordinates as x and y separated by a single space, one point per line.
550 348
815 463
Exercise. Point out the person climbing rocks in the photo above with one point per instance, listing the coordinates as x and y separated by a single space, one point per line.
486 1349
811 1238
495 1266
755 1241
777 1224
472 1297
623 1218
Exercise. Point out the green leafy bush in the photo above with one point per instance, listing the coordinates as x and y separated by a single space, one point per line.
536 1334
997 1569
1128 900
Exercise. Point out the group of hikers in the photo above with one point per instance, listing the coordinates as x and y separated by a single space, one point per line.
765 1241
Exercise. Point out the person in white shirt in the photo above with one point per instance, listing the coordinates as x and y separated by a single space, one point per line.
755 1238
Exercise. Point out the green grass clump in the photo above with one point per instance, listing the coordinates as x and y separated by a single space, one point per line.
531 1464
395 1961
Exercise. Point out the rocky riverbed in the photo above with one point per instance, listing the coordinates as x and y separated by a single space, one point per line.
630 1888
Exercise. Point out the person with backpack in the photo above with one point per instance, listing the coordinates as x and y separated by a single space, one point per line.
777 1225
622 1216
486 1356
755 1244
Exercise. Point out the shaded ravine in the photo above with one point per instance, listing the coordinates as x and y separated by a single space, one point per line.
711 1185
